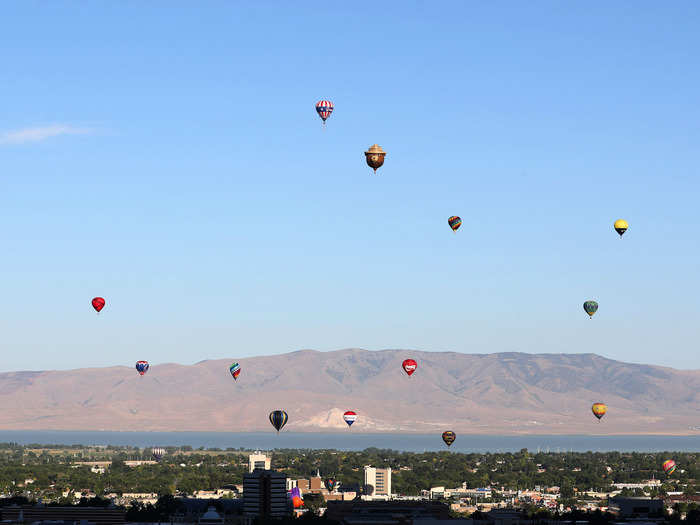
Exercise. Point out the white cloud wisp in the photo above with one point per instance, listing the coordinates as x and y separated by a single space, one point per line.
38 134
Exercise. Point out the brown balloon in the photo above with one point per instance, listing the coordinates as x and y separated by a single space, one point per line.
375 157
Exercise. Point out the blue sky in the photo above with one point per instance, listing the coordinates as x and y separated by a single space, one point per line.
168 157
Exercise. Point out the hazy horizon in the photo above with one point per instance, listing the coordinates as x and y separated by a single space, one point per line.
408 350
359 441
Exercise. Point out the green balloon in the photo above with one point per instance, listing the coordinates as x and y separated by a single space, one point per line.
590 307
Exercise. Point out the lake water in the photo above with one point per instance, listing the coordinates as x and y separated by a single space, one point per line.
356 441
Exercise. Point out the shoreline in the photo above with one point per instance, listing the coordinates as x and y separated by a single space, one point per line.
355 441
347 432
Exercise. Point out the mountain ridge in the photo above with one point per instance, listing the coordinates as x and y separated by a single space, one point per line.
498 393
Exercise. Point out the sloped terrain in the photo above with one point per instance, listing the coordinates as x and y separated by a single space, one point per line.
470 393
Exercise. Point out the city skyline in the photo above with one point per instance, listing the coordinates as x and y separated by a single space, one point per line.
342 486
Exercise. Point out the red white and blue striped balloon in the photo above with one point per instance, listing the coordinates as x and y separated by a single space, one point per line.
324 108
350 417
142 367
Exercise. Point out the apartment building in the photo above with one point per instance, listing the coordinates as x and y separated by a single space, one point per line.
377 481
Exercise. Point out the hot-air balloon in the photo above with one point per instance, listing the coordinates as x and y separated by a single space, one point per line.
669 466
449 437
324 108
295 496
235 370
454 222
278 418
599 410
349 417
409 366
590 307
142 367
98 303
621 226
158 453
330 484
375 157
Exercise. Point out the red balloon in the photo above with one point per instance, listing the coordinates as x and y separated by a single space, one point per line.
409 366
98 304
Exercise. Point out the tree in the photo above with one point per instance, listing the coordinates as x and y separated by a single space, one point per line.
313 502
566 491
166 506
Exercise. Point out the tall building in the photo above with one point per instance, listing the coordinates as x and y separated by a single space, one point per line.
257 460
265 495
378 481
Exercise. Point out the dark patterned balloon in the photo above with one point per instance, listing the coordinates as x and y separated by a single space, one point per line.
142 367
449 437
454 222
590 307
278 418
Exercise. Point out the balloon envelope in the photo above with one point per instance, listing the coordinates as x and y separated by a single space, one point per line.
349 417
278 418
454 222
375 157
98 303
330 484
669 466
621 226
142 367
295 496
590 307
324 108
599 410
235 370
409 366
449 437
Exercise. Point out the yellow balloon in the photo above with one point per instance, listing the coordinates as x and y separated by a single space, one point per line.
599 410
621 226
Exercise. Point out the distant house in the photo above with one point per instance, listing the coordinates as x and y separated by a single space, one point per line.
672 499
138 463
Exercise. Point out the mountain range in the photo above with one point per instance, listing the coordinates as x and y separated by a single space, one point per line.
501 393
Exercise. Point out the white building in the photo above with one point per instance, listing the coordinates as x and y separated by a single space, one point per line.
643 485
378 481
258 460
